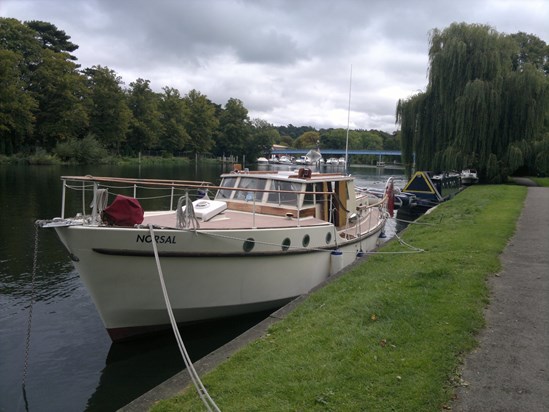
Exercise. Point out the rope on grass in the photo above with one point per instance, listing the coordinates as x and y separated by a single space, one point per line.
413 222
202 392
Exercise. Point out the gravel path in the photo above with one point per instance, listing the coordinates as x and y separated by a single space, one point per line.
509 371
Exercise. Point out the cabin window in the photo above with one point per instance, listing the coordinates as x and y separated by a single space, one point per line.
284 198
248 244
286 244
310 198
224 193
248 183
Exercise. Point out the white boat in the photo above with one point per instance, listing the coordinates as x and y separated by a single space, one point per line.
263 239
303 160
332 161
262 160
285 160
469 177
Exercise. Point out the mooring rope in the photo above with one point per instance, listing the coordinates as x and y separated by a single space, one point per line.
312 249
102 200
186 219
29 322
413 222
202 392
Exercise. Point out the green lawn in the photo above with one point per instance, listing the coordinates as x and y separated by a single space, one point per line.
541 181
387 336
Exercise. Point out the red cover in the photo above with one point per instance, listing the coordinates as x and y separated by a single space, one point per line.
123 211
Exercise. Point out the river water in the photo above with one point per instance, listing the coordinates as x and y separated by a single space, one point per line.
71 363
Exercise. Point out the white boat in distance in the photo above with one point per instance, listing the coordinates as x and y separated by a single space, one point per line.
262 240
469 177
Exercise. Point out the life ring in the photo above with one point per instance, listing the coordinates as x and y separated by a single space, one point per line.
202 205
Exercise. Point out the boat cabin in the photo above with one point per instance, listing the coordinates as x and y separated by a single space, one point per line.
299 193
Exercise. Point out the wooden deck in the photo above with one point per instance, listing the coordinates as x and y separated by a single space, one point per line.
233 219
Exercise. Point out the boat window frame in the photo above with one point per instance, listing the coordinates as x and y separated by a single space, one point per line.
290 199
220 195
310 199
256 193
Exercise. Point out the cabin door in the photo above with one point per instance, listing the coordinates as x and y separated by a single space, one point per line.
340 206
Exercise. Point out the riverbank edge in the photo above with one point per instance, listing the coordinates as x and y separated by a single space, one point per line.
177 383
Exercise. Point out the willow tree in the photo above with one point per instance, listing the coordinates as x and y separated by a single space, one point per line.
480 109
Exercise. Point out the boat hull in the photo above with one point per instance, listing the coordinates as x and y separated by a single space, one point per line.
469 180
227 280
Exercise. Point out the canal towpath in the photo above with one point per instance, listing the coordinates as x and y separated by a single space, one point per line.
509 370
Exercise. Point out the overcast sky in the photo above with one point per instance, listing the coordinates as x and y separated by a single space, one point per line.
288 61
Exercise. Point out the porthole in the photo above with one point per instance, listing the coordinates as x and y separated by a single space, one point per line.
306 240
248 244
286 244
328 237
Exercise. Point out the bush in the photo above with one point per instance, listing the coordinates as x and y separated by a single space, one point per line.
41 157
83 151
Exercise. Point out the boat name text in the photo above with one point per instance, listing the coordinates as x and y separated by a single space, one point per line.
157 239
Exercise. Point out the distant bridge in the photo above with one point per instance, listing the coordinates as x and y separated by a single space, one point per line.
337 152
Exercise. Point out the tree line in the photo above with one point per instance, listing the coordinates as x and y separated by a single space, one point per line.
486 105
48 102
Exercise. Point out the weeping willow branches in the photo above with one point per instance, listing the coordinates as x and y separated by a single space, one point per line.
480 109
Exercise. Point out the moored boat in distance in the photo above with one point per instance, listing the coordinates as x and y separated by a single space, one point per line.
430 189
333 161
253 243
401 199
469 177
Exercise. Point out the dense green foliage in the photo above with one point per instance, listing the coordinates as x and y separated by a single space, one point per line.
50 106
390 333
486 105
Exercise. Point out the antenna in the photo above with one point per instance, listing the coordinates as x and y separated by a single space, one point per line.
348 121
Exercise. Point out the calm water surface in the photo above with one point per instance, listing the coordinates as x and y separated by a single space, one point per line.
72 363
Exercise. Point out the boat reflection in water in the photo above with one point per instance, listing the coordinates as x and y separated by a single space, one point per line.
159 353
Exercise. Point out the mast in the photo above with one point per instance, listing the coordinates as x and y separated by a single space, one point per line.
348 121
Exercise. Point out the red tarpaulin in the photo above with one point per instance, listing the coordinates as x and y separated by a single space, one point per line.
123 211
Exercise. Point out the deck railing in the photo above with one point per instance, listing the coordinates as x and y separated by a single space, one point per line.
177 188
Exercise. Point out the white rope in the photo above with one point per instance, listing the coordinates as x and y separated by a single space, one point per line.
374 252
186 219
413 222
102 200
402 242
202 392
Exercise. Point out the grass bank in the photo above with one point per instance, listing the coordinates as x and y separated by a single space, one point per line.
387 336
541 181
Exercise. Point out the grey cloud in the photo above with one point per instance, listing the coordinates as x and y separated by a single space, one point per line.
287 60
